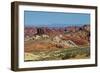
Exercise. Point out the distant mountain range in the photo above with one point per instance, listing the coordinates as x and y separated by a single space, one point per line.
55 25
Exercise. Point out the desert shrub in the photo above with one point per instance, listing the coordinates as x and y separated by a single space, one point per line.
59 46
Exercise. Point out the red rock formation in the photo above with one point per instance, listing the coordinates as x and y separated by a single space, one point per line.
78 34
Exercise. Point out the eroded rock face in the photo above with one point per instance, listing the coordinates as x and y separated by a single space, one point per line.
44 38
30 31
86 27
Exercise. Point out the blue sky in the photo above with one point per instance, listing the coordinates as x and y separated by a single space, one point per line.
53 19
